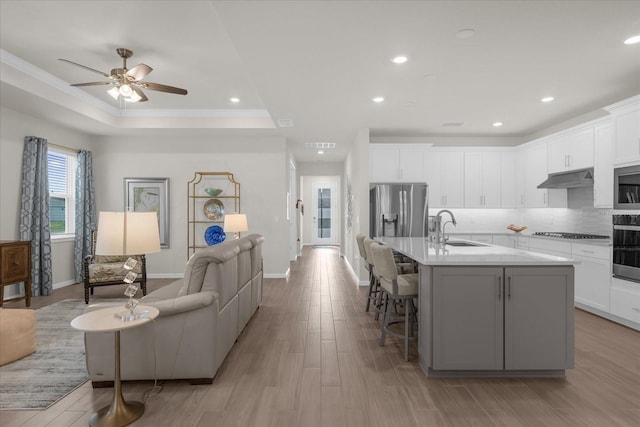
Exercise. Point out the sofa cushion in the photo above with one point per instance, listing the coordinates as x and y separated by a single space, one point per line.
244 261
203 266
109 272
256 253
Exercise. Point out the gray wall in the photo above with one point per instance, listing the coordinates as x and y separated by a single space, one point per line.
259 164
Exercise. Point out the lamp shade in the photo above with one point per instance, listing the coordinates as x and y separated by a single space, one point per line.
235 223
127 233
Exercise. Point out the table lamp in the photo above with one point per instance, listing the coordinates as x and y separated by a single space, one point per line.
128 233
235 223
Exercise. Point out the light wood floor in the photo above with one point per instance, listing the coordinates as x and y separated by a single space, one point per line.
310 357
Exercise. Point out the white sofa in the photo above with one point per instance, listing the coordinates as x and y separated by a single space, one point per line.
200 318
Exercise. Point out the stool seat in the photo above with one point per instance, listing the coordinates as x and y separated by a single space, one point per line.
17 334
407 284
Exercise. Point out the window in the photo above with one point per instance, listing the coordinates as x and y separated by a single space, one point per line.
62 189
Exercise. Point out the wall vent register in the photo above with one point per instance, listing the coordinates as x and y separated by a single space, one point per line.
562 235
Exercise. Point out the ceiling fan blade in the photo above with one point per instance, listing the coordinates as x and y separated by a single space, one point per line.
92 84
85 67
139 72
140 93
163 88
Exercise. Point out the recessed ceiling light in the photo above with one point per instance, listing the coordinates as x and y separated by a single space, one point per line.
399 59
547 99
467 33
378 99
320 152
633 40
497 124
234 100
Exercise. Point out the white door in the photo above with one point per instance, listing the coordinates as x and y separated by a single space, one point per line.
324 214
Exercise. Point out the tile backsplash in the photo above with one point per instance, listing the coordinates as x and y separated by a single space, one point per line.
586 220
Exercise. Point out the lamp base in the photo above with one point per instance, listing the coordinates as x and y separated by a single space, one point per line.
121 414
130 315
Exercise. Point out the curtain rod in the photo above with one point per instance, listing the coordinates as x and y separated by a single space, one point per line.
63 147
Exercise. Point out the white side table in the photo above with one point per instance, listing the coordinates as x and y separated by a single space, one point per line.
119 413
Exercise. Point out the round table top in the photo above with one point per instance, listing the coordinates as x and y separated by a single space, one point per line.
104 319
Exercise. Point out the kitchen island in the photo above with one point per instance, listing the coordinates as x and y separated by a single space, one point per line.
488 310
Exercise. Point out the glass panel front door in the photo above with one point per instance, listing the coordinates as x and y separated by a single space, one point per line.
324 213
324 231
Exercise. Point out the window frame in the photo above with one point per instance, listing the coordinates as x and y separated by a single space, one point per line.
69 197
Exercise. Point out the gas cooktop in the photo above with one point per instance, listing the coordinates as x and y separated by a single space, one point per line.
562 235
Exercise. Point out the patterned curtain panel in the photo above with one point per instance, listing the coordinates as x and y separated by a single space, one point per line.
34 213
85 211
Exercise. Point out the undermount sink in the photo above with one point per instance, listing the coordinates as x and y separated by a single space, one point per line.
462 243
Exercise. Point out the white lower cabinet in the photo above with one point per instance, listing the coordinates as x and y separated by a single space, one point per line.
625 300
482 238
503 240
593 275
550 247
495 318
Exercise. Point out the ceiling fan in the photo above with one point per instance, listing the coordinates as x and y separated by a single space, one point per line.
127 83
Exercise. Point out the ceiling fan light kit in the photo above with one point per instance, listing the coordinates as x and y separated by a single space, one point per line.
127 84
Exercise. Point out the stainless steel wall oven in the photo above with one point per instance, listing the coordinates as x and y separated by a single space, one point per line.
626 187
626 247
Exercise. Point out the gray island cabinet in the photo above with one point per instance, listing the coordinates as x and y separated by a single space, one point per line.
492 311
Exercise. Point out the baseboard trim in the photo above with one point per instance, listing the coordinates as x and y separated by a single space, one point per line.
165 276
355 275
277 275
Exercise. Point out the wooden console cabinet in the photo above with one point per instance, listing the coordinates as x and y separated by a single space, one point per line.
15 267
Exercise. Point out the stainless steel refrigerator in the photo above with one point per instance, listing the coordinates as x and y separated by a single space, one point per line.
400 210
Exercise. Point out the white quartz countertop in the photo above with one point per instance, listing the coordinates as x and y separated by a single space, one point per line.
427 253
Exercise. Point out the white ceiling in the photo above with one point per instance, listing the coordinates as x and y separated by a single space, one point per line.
319 63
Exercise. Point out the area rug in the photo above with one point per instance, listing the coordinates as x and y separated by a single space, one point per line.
56 368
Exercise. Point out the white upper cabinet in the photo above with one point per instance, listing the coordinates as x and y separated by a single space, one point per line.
396 162
626 130
412 165
627 136
535 171
482 186
384 164
508 180
603 167
571 150
519 181
444 173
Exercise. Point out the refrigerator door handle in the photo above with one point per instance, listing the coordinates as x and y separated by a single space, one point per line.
401 196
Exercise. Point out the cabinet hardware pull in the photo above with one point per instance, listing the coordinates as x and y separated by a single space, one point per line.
587 252
499 288
509 287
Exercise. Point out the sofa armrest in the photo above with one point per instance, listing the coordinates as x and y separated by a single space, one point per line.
169 307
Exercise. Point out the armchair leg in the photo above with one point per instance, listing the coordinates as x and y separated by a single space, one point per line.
143 285
86 295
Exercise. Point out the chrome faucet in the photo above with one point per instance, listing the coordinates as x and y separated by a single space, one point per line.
440 230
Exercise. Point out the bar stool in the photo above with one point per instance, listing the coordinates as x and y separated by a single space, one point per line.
399 288
373 283
375 291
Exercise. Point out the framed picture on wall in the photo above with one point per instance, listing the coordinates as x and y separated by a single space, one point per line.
149 195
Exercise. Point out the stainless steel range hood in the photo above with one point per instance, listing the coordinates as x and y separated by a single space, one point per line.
570 179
